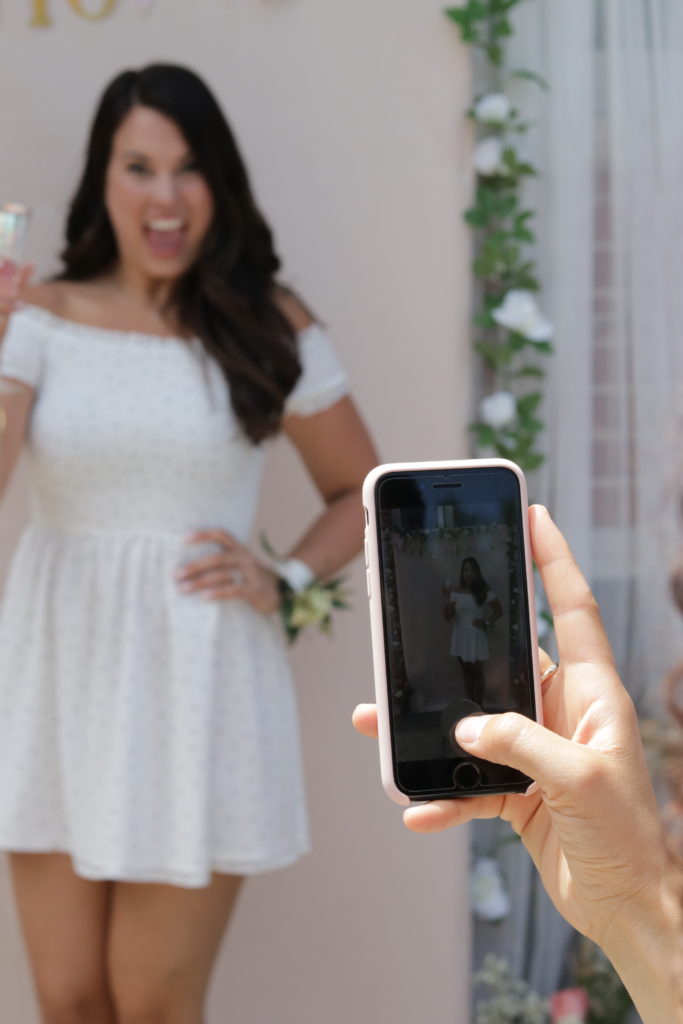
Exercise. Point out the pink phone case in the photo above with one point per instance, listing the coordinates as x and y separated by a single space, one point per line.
372 561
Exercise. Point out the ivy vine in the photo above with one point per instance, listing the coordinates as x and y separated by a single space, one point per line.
511 335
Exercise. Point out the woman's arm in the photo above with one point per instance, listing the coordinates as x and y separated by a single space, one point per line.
338 453
494 613
15 396
16 399
645 946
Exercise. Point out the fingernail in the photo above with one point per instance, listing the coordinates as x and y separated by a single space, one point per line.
468 730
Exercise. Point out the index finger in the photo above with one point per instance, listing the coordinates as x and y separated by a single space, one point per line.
365 719
581 636
218 536
202 565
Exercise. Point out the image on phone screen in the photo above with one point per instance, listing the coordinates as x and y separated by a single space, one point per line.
456 620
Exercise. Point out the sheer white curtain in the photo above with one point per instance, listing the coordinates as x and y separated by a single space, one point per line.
609 142
611 196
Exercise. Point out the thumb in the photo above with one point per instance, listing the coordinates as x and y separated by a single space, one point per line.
521 743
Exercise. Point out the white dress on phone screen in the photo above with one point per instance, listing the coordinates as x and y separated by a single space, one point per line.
468 641
150 734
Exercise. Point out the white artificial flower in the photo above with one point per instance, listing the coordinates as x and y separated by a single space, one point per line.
311 606
499 409
520 313
494 108
490 901
488 157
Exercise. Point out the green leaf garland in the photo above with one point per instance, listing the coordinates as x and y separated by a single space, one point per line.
512 337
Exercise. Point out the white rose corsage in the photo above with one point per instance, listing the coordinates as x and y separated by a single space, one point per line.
305 600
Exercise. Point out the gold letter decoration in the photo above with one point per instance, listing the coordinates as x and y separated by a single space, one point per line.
40 17
107 8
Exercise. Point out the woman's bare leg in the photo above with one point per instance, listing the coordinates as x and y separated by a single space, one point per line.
64 921
163 945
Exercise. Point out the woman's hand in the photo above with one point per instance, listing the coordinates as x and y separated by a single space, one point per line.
591 822
231 573
495 612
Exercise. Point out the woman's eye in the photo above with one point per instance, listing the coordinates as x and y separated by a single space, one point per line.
191 167
137 168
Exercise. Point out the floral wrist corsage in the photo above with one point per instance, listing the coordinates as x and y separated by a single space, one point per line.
304 599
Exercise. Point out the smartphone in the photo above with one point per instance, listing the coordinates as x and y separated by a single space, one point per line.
452 616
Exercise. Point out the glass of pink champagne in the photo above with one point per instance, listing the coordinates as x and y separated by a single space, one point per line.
14 220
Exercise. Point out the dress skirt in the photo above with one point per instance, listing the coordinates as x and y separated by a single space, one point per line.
151 734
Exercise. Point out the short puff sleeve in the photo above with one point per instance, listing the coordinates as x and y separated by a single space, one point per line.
323 380
21 350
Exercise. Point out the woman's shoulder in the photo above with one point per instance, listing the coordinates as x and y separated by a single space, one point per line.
75 305
68 300
50 296
293 308
29 330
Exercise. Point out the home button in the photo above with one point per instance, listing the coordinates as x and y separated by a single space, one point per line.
467 775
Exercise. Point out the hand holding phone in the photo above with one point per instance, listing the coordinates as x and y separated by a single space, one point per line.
448 557
591 824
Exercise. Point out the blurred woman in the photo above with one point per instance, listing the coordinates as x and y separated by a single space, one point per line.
149 757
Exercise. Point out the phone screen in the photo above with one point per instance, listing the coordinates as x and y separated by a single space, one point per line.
456 620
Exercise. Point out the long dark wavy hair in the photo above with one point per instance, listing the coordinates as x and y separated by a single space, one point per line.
480 587
226 298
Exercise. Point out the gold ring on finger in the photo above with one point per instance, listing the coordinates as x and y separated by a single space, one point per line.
549 672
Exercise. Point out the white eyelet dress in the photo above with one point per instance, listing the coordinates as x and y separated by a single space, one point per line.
150 734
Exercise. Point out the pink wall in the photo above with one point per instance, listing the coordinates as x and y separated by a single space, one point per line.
349 116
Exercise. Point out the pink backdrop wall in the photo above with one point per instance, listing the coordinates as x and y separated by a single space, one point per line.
349 116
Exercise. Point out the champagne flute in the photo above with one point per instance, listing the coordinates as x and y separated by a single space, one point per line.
14 221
